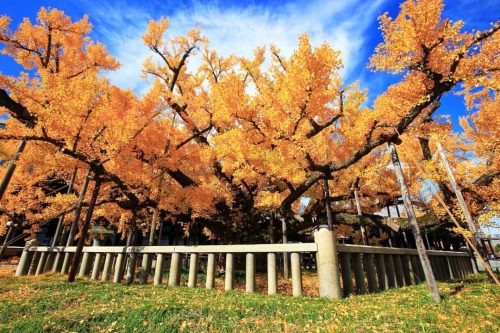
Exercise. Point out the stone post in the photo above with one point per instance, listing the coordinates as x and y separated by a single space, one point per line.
371 276
327 264
296 275
26 258
160 260
345 264
272 281
229 278
175 270
210 283
193 270
250 273
107 267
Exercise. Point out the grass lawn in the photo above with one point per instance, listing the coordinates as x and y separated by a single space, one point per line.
48 303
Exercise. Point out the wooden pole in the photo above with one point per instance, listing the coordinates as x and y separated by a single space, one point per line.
326 193
424 259
285 254
78 211
360 215
461 201
86 225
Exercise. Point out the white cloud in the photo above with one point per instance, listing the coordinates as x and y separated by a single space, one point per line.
237 29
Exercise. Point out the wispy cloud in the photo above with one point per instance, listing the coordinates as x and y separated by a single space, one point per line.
236 29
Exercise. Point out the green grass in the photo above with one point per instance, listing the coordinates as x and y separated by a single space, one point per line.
49 304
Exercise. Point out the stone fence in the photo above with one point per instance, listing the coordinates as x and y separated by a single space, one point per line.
356 269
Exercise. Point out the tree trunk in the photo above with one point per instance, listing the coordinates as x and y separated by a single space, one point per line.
12 166
424 259
86 225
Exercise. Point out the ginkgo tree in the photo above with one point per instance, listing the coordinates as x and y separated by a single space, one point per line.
234 137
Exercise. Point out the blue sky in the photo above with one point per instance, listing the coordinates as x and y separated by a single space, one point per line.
239 26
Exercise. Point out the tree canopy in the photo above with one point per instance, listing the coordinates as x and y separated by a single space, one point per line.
224 140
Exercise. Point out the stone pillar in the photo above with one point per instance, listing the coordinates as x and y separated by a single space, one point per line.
34 263
398 265
389 266
359 275
118 274
272 280
449 268
406 265
371 275
193 270
66 262
132 262
145 268
107 266
84 266
175 270
229 278
296 275
381 274
26 258
160 261
250 273
97 266
345 265
327 264
56 267
41 263
210 283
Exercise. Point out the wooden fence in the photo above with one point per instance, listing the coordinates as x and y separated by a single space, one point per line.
359 269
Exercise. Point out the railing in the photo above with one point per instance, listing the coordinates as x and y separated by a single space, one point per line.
360 269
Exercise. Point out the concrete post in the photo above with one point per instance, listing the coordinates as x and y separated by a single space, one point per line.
145 268
345 265
296 275
449 268
210 283
407 270
272 281
389 266
118 276
107 266
327 264
193 270
229 278
160 261
398 265
175 270
132 262
84 266
26 258
68 256
381 274
250 273
370 272
97 266
49 263
34 263
41 263
56 267
359 275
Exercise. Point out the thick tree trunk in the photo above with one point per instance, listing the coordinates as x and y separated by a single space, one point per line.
424 259
86 225
12 166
